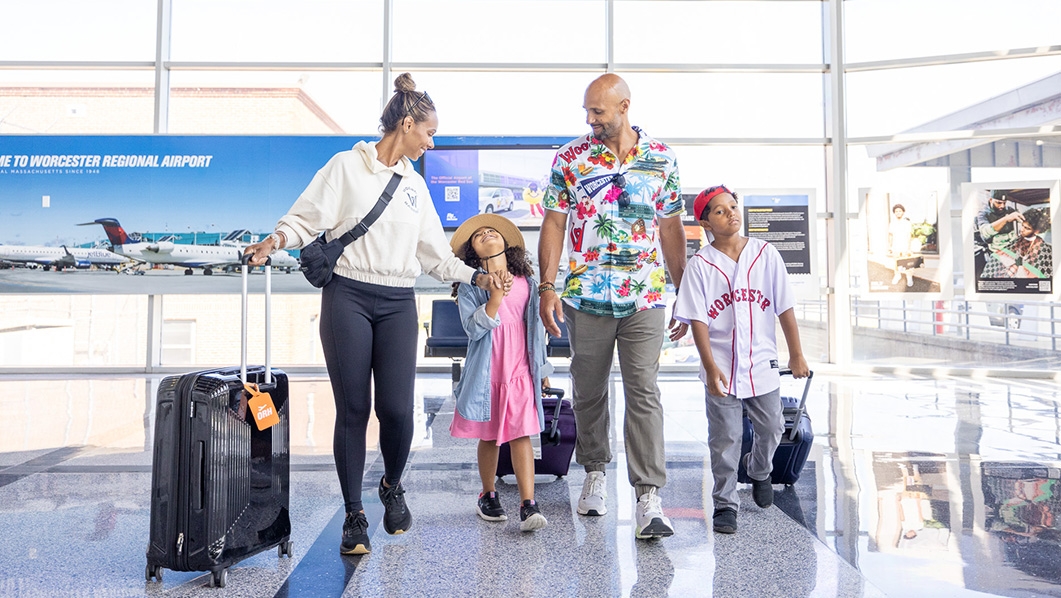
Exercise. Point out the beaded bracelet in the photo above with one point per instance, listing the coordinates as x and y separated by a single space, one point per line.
548 286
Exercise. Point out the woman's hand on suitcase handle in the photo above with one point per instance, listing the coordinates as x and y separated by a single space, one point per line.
545 385
259 252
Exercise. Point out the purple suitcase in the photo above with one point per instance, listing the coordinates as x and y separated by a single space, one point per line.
558 439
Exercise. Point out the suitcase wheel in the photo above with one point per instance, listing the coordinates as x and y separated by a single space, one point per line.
284 548
218 578
153 572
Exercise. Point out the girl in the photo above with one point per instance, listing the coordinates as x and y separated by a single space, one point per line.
499 397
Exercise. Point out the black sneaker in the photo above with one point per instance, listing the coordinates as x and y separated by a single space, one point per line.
489 507
762 490
530 518
396 517
725 521
355 534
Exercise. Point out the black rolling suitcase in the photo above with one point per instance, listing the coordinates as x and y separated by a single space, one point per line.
557 440
219 485
791 455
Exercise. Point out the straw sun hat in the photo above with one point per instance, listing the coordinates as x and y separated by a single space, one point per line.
509 231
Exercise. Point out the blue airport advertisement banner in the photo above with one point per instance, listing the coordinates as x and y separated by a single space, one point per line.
185 205
63 200
175 184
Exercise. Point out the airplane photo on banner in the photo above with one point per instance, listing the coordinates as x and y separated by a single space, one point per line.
189 256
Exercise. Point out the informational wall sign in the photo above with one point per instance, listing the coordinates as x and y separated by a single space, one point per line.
784 222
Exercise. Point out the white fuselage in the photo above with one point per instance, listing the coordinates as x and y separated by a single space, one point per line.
194 256
46 256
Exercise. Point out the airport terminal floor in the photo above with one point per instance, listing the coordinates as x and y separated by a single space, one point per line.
915 486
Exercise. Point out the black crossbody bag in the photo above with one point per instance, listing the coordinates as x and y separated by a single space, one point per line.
318 259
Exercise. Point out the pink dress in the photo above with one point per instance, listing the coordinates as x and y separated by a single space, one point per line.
512 407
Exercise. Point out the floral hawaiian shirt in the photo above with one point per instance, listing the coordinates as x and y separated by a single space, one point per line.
615 260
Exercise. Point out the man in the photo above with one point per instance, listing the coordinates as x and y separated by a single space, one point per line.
994 223
615 193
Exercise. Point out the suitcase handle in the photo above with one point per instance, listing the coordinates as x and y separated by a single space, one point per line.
802 402
244 267
553 435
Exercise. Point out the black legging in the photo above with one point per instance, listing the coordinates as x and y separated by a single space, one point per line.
369 330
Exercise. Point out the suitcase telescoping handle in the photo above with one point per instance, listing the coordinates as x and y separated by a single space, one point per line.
244 259
552 435
802 402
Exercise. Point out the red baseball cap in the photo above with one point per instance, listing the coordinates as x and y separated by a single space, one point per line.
705 197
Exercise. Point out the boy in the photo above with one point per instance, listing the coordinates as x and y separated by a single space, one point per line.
732 290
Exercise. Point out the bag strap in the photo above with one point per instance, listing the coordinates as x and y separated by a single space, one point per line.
381 204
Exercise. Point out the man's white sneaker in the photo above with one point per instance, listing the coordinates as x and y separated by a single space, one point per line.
651 523
594 495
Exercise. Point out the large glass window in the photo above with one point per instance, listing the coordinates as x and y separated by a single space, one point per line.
277 31
891 101
274 102
894 29
479 31
83 102
49 30
718 32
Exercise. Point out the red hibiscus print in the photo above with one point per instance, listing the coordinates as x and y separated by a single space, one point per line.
653 296
591 256
586 210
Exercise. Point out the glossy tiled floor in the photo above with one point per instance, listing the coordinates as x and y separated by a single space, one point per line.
915 487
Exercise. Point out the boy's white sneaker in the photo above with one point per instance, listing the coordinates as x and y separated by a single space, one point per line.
594 495
651 523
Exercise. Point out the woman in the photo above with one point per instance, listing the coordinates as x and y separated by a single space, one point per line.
369 321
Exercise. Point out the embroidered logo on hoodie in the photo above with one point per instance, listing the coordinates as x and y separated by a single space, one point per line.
411 199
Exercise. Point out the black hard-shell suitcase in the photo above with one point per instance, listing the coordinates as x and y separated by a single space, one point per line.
557 440
220 488
791 455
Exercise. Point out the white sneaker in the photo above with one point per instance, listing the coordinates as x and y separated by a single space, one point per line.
594 495
651 523
909 280
898 276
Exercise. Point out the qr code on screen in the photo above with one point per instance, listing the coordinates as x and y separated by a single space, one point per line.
1044 286
453 193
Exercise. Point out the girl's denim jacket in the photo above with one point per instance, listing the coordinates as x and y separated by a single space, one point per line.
473 390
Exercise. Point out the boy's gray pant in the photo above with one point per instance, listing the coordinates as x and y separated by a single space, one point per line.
725 429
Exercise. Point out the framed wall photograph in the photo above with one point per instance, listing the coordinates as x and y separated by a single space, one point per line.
1009 237
906 243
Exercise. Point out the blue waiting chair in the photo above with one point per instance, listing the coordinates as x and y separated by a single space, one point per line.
445 334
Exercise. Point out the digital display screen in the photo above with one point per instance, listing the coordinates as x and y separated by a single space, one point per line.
509 182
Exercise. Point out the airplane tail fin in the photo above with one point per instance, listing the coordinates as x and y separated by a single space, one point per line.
115 233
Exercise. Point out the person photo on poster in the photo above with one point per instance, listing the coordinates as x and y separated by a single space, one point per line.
1012 252
903 257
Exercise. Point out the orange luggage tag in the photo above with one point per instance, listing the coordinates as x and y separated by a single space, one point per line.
262 407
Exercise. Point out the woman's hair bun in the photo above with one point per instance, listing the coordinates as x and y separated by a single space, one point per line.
404 83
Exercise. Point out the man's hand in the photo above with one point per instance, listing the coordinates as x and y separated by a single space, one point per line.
551 310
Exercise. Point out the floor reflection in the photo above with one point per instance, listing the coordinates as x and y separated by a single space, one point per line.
915 487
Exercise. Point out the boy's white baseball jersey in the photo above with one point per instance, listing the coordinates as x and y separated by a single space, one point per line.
739 302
